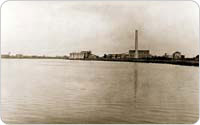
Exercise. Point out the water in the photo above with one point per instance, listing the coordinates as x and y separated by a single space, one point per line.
64 91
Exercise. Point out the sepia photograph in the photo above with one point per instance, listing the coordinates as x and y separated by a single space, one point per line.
99 62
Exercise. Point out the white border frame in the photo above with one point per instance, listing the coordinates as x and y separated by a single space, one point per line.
197 2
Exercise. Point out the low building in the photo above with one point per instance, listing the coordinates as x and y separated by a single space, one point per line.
167 56
5 55
112 56
141 53
80 55
117 56
86 53
92 56
75 55
124 55
19 55
177 55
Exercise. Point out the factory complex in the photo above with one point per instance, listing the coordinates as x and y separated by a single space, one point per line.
137 55
131 54
134 55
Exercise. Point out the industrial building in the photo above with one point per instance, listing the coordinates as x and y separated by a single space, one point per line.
82 55
128 55
138 53
132 53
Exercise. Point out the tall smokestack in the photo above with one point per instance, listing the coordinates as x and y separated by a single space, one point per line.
136 44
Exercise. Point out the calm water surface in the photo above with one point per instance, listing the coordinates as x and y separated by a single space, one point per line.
63 91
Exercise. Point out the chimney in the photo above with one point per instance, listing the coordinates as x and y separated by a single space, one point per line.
136 44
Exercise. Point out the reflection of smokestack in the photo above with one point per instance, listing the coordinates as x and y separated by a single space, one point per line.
136 44
136 82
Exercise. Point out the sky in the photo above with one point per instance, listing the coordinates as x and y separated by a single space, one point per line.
60 27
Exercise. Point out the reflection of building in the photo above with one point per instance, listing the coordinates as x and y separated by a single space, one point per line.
141 53
82 55
177 55
135 81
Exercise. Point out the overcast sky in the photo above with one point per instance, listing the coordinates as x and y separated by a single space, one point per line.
61 27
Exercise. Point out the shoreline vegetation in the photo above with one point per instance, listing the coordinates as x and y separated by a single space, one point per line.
183 62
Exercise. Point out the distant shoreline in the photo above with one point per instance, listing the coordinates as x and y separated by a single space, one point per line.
174 62
33 58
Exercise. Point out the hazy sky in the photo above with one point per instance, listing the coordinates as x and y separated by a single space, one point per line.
61 27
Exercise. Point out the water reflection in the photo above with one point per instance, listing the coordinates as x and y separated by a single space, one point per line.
60 91
135 81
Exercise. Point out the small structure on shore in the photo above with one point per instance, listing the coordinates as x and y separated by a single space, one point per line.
177 55
197 58
167 56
